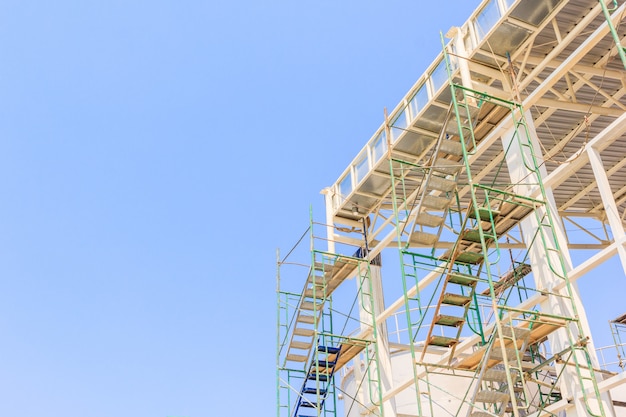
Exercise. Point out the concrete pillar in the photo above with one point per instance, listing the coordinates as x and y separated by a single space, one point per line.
381 366
548 261
610 207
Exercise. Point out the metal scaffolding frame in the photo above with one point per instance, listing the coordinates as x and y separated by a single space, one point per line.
517 128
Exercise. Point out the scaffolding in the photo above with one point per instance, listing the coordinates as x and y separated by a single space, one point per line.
469 183
310 352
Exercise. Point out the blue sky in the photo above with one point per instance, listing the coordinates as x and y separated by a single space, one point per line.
153 156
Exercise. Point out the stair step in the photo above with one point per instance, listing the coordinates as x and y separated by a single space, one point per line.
473 235
304 318
436 202
442 341
526 365
455 299
496 353
317 283
308 404
466 257
314 390
484 213
451 147
308 305
472 258
296 344
322 265
450 321
297 358
324 364
319 294
330 350
447 167
496 375
480 414
462 279
423 238
441 184
318 377
300 331
429 220
452 126
491 397
519 332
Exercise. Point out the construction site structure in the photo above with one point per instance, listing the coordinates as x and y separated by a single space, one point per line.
494 188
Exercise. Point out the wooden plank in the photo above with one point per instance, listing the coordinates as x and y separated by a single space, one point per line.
349 349
539 331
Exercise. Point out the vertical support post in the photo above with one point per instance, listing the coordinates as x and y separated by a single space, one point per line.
461 56
382 340
545 261
607 15
610 208
371 306
278 301
330 230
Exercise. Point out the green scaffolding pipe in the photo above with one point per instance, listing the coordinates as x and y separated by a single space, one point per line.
607 14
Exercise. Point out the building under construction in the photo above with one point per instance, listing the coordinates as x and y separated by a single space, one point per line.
466 209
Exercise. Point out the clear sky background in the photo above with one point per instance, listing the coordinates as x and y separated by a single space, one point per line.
153 155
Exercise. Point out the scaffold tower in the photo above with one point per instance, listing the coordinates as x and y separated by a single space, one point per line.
472 190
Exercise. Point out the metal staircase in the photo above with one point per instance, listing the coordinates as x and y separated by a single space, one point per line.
309 353
317 382
490 204
426 204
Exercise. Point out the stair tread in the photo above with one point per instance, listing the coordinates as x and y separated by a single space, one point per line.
423 238
297 358
455 299
305 318
318 377
436 182
452 126
429 220
451 147
443 341
297 344
468 257
447 166
496 353
331 350
319 294
492 397
462 279
465 257
480 414
314 390
498 375
473 235
436 202
484 214
300 331
451 321
323 364
519 332
310 306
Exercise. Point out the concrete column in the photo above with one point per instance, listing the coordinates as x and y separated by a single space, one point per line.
546 259
610 207
382 365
